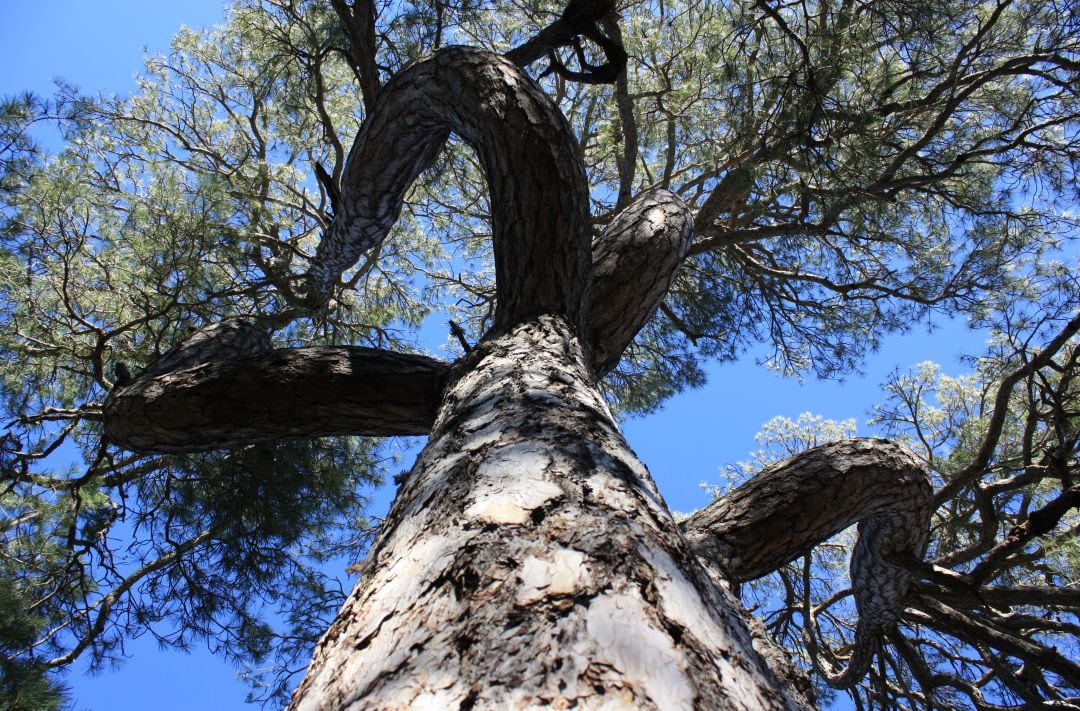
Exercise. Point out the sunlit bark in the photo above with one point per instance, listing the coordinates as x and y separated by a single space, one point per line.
528 560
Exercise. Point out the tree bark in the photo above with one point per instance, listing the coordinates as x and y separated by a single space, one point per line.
535 174
529 560
300 392
223 385
634 263
784 511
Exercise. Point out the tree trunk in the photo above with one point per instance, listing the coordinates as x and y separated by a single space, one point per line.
529 560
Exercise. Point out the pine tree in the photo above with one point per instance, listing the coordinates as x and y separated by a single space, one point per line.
210 295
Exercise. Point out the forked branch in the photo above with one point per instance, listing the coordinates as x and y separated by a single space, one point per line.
222 387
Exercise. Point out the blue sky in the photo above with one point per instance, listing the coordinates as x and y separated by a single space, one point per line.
99 46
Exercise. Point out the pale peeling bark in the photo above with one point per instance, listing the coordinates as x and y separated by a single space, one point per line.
529 560
784 511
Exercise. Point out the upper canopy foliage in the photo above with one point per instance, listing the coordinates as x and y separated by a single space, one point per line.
852 167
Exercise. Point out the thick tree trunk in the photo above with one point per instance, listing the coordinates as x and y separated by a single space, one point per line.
529 560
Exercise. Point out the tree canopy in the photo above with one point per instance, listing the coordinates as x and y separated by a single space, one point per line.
851 168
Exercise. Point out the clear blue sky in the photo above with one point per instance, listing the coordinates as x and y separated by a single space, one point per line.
99 46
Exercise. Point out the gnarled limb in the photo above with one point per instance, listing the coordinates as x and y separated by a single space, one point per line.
175 406
784 511
534 169
217 388
231 338
301 392
634 263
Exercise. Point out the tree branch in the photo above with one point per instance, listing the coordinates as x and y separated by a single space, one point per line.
358 21
1038 523
533 165
634 262
768 521
994 427
580 18
302 392
981 630
226 372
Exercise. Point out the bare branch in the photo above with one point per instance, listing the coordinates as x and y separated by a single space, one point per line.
766 522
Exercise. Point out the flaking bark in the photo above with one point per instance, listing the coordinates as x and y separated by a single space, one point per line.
175 407
529 560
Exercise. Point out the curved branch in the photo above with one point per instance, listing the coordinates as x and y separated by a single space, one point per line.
634 262
784 511
222 387
534 170
218 388
580 18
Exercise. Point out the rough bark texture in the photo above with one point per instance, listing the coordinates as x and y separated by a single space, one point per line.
231 338
783 512
529 560
535 177
302 392
634 263
175 407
